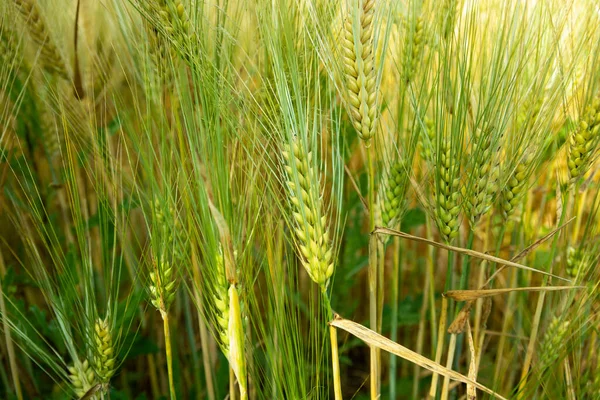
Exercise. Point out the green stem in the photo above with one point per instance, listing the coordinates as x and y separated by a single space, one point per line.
464 283
169 354
373 277
335 357
538 310
394 329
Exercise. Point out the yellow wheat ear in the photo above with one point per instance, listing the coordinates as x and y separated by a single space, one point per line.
359 68
50 57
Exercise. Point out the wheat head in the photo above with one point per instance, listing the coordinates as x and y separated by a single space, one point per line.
584 140
514 190
104 357
393 195
483 172
447 191
82 377
310 229
50 57
359 68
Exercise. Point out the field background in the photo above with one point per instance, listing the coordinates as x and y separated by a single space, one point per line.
215 199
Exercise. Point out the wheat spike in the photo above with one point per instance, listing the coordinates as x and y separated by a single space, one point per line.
50 57
393 195
513 191
359 68
479 191
104 357
584 140
230 328
447 192
82 377
413 48
311 230
553 341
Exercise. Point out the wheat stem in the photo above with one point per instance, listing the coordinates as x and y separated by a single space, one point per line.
169 354
7 335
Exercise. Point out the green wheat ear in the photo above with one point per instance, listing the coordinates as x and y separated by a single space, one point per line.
553 341
481 186
584 140
394 190
82 377
104 357
447 190
359 68
311 229
514 190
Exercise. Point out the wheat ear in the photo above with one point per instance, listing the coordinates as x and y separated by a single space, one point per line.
393 195
310 229
584 140
104 357
359 68
414 48
230 327
447 192
82 377
50 56
514 190
553 341
481 187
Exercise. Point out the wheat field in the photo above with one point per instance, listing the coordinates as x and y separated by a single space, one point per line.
299 199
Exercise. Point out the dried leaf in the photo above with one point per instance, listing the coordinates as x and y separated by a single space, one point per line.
374 339
471 253
470 295
458 325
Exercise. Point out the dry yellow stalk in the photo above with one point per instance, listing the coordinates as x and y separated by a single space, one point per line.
359 68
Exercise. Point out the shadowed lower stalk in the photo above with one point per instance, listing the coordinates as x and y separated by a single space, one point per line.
7 336
538 311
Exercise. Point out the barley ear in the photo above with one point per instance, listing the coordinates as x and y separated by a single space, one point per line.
50 57
359 69
310 225
104 357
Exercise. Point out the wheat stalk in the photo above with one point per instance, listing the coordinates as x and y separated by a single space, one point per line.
359 68
50 56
